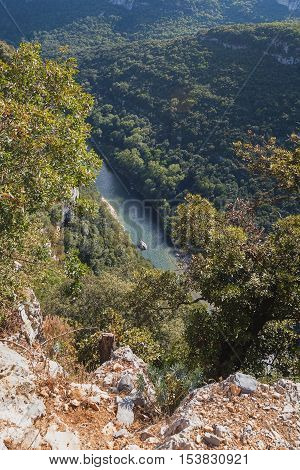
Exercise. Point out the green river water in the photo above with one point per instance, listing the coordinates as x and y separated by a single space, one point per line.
137 218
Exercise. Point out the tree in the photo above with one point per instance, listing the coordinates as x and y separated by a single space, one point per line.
248 282
268 159
43 146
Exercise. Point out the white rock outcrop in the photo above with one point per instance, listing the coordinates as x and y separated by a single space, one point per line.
128 4
62 440
292 5
31 316
19 403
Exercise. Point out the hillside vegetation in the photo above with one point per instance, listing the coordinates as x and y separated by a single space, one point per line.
154 18
169 111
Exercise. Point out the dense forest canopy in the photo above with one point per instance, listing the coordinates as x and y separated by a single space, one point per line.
19 18
169 111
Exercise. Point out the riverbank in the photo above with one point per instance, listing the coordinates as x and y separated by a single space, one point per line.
111 210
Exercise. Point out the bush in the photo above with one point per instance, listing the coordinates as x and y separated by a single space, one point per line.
142 343
60 344
172 384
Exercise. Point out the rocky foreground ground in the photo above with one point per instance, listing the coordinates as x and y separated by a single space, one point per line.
116 408
40 408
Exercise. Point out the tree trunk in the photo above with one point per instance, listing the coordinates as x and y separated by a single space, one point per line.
232 355
106 347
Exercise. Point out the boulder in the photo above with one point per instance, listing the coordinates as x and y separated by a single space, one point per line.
19 403
125 371
246 383
125 354
62 440
125 383
181 424
125 413
291 389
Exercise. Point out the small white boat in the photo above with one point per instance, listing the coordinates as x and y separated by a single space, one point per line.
142 245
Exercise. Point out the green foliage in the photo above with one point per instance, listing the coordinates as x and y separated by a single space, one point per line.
46 109
75 270
270 160
172 384
276 352
140 308
100 240
168 111
168 107
43 153
6 51
249 282
155 18
142 343
88 349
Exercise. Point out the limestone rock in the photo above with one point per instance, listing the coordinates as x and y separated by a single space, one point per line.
20 438
291 389
177 442
62 440
125 354
180 424
86 389
125 383
212 440
125 414
125 371
54 369
31 316
19 403
246 383
152 440
109 429
121 433
221 431
109 379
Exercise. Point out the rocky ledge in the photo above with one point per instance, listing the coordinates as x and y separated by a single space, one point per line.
42 408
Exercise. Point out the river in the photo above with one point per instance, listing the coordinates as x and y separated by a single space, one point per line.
138 219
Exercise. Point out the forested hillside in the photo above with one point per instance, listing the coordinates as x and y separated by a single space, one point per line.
170 111
153 18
